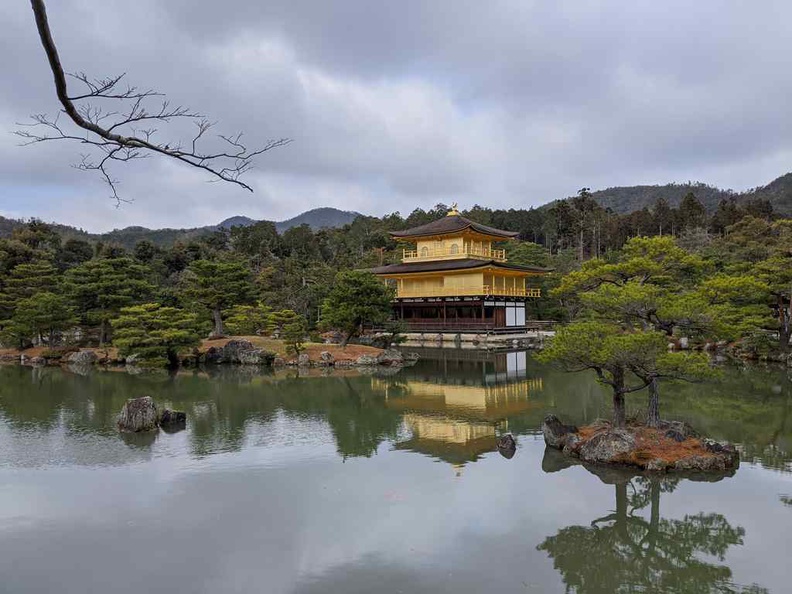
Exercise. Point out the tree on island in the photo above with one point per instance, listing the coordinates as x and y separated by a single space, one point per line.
608 351
130 129
357 298
156 334
217 286
630 308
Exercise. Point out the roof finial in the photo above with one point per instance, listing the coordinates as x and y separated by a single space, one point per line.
453 212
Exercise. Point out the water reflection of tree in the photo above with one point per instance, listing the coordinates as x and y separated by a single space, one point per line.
223 411
625 552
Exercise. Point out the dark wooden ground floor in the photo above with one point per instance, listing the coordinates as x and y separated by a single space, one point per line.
458 314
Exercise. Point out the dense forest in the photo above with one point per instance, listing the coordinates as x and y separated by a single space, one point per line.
56 288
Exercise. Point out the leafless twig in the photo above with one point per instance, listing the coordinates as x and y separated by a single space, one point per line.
127 131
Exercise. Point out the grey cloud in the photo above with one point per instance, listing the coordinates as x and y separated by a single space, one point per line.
397 105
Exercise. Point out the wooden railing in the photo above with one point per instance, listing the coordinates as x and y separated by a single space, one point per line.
447 253
483 290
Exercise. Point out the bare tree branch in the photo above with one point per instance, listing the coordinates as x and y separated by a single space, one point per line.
112 133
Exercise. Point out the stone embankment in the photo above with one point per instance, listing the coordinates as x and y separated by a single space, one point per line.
672 447
235 351
386 358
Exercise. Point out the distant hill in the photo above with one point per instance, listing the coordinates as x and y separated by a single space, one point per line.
627 199
237 222
319 218
778 192
127 237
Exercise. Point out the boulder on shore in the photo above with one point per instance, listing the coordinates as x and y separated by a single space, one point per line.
139 414
613 445
81 358
366 361
390 358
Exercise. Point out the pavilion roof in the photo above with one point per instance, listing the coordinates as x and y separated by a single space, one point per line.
443 265
452 223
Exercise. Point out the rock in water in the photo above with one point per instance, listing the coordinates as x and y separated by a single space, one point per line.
173 420
556 433
139 414
608 447
507 446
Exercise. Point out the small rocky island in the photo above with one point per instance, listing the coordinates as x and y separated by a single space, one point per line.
673 446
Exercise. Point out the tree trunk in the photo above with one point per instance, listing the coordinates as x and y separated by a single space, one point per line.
217 316
102 332
619 413
653 411
784 323
345 339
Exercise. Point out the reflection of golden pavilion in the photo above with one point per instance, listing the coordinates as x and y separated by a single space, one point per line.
454 421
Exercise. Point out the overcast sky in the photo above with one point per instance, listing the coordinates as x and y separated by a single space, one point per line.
394 105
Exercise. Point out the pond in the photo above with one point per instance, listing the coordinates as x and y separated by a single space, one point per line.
290 483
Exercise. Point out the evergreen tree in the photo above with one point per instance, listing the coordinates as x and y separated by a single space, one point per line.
156 334
43 315
357 298
291 329
218 285
248 320
101 287
692 213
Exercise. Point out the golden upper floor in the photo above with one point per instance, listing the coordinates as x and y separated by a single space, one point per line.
450 248
453 237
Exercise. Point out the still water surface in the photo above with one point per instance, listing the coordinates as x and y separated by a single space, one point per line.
355 483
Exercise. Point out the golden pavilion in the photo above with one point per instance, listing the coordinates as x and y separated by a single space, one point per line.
453 277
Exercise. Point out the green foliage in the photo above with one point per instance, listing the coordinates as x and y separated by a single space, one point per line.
44 314
157 334
292 328
248 320
218 285
101 287
357 298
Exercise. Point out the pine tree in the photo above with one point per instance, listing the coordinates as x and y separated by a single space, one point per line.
217 286
357 298
156 334
101 287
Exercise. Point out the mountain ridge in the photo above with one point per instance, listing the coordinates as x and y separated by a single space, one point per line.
316 218
620 199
